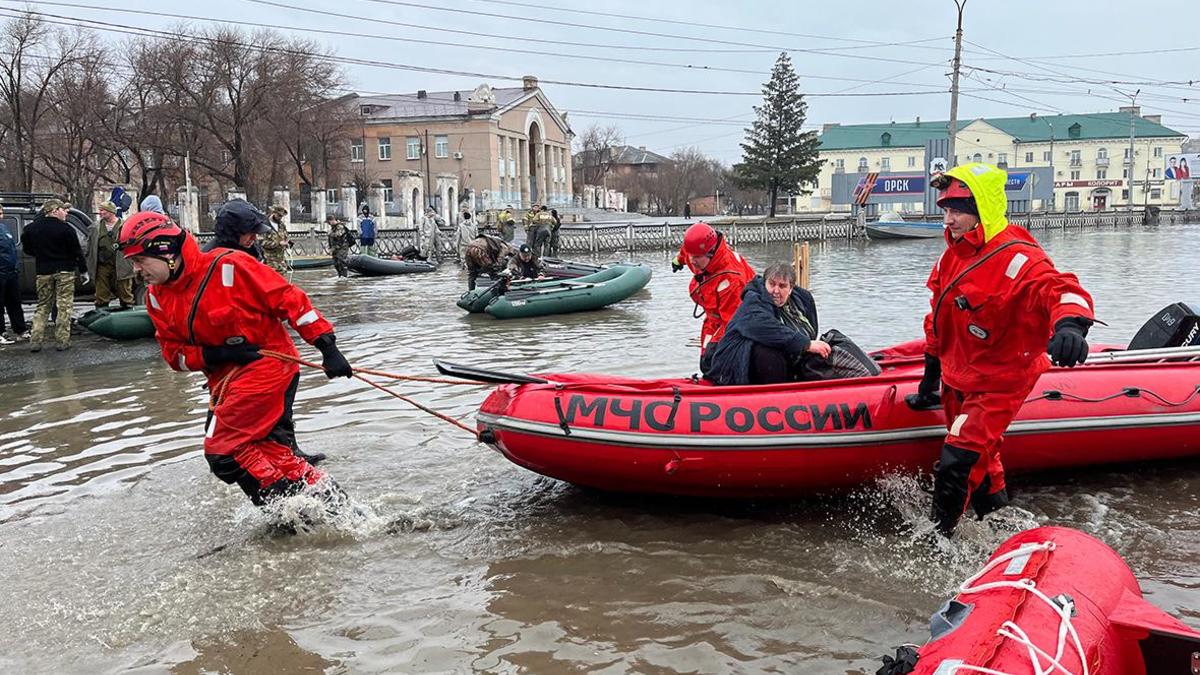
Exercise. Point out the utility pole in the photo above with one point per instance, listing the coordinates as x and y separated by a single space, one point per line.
952 159
1132 111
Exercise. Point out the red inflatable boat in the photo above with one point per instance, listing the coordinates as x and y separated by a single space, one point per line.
692 438
1052 600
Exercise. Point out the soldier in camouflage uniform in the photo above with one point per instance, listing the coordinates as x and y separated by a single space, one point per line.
275 243
340 241
57 257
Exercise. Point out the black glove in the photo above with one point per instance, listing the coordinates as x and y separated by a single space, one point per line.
332 361
927 396
676 265
235 350
1068 347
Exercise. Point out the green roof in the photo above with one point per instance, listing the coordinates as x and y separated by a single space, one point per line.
1091 126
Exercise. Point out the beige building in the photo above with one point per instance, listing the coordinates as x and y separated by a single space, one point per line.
1089 154
487 148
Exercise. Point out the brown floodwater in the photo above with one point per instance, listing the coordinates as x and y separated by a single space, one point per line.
120 553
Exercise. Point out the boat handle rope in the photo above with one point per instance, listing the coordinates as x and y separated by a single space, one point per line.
1064 608
358 375
1128 392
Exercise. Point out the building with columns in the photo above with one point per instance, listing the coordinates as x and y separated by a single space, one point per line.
1089 154
487 148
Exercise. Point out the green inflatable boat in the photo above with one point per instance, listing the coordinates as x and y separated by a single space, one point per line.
560 296
119 324
311 262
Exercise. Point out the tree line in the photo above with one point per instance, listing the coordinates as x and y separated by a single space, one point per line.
251 110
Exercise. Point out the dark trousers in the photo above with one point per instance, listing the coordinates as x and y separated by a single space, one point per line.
10 298
769 366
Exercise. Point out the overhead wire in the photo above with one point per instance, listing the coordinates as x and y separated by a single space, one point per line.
742 29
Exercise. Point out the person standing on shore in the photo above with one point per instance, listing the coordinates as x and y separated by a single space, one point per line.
366 232
112 274
998 307
10 285
57 257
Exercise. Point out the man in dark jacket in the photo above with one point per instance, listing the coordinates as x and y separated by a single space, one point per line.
57 256
772 330
237 227
10 285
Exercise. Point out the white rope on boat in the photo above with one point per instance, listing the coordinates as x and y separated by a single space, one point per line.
1012 631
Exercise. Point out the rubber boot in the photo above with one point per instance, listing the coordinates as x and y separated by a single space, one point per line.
950 487
313 459
984 503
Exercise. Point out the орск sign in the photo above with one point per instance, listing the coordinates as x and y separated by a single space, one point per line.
1111 182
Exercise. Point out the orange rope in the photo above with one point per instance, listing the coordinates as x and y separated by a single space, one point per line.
368 371
380 387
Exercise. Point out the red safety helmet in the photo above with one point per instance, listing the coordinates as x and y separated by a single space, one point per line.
152 234
700 239
951 188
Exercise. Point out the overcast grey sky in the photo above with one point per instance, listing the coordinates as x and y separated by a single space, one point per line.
856 42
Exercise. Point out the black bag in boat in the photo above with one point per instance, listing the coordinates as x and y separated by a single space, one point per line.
846 359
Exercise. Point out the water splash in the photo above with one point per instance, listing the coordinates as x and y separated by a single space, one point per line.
892 535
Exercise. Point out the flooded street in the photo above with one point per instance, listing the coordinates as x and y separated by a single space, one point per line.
121 553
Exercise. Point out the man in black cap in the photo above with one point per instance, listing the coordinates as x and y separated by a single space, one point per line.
237 227
524 265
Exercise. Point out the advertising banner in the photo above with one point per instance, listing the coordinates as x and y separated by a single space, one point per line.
1181 166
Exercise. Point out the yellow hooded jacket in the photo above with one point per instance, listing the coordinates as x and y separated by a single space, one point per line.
987 186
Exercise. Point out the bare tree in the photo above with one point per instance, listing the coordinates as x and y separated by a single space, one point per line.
32 54
596 154
70 152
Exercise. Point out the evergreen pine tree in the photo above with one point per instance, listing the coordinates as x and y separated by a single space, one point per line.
777 154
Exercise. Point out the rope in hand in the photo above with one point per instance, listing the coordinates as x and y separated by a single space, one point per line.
358 376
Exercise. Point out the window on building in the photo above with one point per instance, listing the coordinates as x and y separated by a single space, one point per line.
413 146
385 148
1046 156
1156 174
1029 158
1076 160
441 146
1124 195
1102 153
1002 159
1156 194
387 189
331 196
862 164
977 158
912 161
1075 175
839 164
356 150
885 164
1127 154
1125 174
502 173
1158 152
1071 202
1101 174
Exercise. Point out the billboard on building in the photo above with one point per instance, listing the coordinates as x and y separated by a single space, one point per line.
1181 166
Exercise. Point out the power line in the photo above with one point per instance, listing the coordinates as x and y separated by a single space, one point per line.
743 29
103 26
631 31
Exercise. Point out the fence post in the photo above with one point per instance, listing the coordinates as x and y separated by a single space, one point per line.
592 236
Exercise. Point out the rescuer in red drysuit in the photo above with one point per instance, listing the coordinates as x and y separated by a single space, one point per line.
997 300
213 312
719 276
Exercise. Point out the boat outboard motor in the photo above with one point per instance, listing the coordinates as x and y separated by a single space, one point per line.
1176 325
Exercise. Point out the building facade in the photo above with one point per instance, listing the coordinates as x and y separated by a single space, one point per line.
1090 155
485 149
